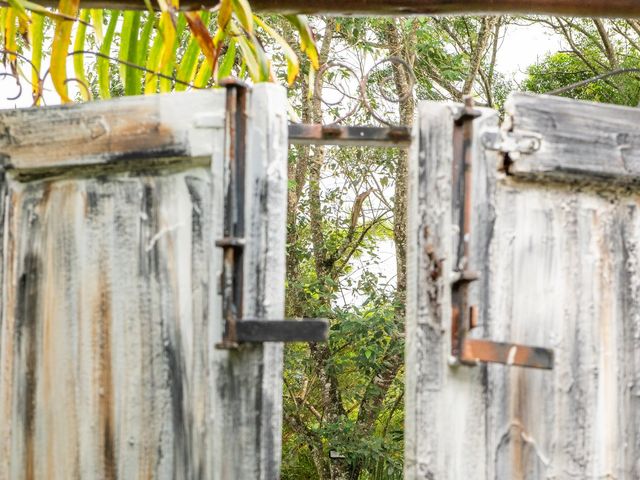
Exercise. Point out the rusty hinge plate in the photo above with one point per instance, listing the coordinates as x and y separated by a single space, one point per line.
238 329
464 317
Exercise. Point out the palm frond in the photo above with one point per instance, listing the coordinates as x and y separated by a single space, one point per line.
174 49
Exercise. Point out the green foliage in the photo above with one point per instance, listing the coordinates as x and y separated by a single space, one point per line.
561 69
366 330
361 337
588 57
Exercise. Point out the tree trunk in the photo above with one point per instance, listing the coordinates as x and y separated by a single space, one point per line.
402 45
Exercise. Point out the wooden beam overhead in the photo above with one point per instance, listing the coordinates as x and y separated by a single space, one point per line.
591 8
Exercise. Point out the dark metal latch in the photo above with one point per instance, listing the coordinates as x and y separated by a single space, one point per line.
237 328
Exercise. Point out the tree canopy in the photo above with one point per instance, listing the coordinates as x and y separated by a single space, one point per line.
607 52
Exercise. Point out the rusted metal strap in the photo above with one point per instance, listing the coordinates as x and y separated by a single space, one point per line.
462 313
476 350
402 8
236 328
232 243
317 134
464 317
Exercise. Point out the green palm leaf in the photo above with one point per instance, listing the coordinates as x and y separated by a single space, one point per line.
104 78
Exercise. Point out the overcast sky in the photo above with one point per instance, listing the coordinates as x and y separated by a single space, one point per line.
523 46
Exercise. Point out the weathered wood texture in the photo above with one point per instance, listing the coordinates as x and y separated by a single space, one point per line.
561 271
132 129
581 140
591 8
110 302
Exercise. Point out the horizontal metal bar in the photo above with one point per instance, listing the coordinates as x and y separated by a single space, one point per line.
307 330
592 8
317 134
475 350
230 242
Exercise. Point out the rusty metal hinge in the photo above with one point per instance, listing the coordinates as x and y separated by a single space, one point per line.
237 328
464 317
510 143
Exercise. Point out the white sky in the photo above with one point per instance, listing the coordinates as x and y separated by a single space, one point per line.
523 46
9 89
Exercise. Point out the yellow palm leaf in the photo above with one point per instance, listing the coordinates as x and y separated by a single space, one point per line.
60 48
37 39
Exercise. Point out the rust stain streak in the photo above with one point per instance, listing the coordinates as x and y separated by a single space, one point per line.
518 417
606 339
102 340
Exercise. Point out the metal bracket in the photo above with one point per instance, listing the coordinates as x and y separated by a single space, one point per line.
510 143
238 329
470 351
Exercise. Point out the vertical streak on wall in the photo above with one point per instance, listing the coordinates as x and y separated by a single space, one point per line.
428 257
5 429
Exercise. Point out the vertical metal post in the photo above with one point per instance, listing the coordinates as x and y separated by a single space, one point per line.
462 313
237 328
232 242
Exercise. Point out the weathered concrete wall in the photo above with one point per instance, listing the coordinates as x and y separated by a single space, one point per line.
110 302
556 243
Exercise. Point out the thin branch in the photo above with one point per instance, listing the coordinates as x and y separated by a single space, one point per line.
610 52
602 76
396 404
478 53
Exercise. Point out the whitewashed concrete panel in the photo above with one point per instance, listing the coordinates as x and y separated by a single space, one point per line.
565 276
556 241
110 299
